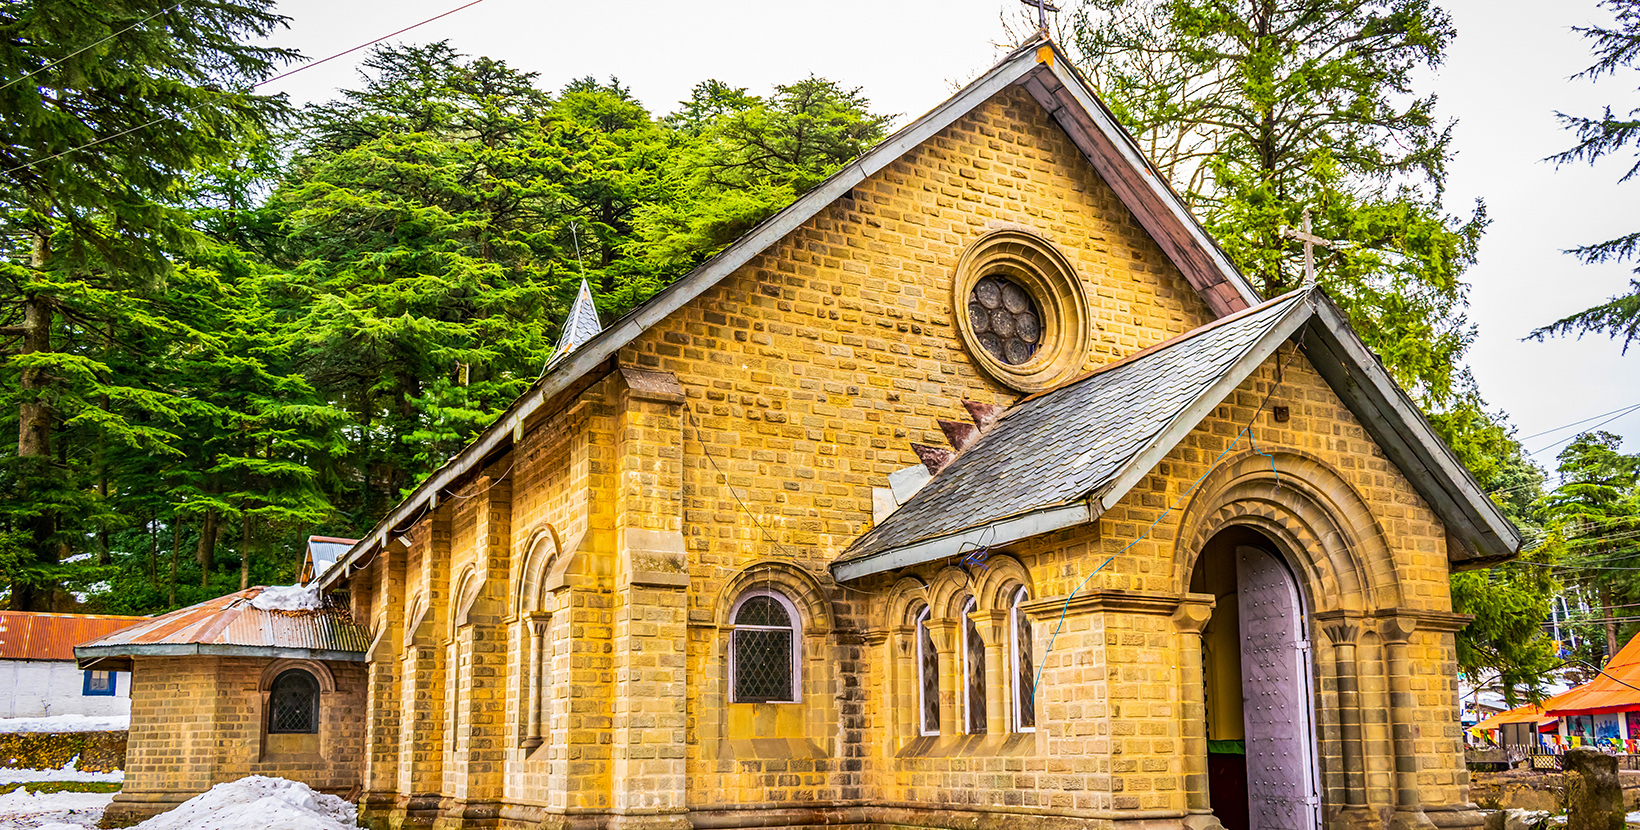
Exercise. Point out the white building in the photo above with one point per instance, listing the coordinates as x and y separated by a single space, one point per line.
38 677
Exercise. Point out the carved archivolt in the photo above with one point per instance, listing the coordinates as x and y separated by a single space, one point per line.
791 581
1305 506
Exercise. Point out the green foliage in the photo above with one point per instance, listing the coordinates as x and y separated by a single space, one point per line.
739 158
1616 48
1258 111
102 259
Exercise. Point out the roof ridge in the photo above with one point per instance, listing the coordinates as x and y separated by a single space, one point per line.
1169 343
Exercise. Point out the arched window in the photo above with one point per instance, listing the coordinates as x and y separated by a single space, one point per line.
1019 635
973 673
293 703
763 650
928 679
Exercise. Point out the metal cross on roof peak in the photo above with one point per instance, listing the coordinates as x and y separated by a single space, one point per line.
1310 240
1042 8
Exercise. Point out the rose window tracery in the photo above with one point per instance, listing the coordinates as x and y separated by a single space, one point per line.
1005 319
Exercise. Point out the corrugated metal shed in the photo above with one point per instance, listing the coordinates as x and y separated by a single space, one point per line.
29 635
232 626
1612 691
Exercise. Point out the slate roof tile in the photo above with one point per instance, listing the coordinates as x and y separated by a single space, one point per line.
1068 443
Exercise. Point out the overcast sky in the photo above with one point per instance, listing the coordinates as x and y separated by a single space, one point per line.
1505 76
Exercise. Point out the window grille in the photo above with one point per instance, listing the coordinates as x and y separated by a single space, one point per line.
928 678
1024 667
973 649
763 650
293 704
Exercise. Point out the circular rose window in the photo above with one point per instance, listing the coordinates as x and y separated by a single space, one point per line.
1005 319
1020 309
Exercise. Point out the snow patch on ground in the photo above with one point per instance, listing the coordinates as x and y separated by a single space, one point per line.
67 772
52 811
67 723
288 598
258 803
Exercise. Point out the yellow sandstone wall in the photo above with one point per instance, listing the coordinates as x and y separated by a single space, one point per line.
804 378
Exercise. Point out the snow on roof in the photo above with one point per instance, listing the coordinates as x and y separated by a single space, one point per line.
294 625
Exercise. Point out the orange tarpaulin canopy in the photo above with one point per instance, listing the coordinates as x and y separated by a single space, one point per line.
1530 713
1616 689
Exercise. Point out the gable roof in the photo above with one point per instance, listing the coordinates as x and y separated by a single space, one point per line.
1064 457
30 635
580 326
1039 67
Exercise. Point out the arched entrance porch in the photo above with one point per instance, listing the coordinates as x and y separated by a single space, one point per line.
1257 686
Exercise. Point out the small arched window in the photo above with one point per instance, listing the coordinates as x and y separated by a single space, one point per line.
1019 636
763 650
928 679
293 703
973 672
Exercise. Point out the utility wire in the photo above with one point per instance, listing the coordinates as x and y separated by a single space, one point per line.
304 67
27 75
1573 437
1584 421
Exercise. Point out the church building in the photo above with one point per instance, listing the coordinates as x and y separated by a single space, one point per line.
975 489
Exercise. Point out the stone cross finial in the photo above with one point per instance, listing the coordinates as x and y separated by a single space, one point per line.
1310 240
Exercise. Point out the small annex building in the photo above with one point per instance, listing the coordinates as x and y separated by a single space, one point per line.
38 676
975 489
236 686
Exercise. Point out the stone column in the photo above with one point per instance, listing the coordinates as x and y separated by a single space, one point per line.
537 663
902 674
1191 617
993 629
947 638
1409 814
1355 815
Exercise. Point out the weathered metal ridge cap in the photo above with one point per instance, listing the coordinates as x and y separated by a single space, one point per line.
232 626
1063 457
1038 66
30 635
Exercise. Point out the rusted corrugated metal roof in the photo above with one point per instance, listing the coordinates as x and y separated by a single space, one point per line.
232 625
30 635
1612 691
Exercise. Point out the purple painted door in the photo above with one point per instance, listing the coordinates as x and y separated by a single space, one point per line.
1275 687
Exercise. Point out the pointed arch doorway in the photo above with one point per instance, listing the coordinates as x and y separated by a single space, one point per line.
1257 677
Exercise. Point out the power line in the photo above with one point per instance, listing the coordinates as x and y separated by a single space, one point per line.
1584 421
27 75
304 67
1620 414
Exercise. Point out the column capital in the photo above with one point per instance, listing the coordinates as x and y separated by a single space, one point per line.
538 623
1396 629
1194 613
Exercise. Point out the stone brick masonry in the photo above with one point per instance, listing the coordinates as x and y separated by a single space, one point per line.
553 638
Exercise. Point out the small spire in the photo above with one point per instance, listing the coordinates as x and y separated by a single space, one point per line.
580 326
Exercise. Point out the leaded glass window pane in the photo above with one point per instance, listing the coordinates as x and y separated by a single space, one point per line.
928 677
293 703
1024 668
974 654
763 643
1005 319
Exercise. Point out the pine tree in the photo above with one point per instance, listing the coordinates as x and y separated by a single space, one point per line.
1616 48
1257 111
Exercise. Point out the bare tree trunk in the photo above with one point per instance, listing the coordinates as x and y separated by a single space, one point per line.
245 550
206 553
1611 620
153 546
34 435
176 556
